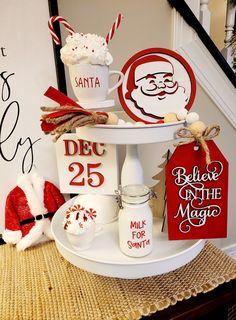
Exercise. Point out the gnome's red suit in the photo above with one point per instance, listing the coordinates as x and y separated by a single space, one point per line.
29 209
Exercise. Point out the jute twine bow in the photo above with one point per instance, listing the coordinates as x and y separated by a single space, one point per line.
200 137
67 116
61 119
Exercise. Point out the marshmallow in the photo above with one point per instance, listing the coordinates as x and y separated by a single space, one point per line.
182 114
192 117
170 117
139 123
85 48
121 122
197 127
112 118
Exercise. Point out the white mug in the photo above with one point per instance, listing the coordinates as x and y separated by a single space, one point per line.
82 241
106 206
90 82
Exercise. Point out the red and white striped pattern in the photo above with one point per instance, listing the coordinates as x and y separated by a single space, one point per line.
114 27
52 31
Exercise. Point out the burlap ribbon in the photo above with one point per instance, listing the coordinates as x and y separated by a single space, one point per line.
200 137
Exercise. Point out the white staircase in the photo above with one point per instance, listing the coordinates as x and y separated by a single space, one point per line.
201 10
229 31
208 73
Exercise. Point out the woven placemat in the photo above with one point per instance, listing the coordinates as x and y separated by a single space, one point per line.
40 284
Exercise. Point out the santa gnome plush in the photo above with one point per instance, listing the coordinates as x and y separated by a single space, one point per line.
29 209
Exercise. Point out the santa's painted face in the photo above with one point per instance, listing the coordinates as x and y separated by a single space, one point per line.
156 93
157 84
157 81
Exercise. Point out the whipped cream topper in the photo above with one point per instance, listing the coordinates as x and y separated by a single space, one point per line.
78 219
85 48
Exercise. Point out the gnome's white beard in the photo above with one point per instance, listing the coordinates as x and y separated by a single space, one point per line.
151 105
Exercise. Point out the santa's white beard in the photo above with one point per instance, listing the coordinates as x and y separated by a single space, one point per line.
151 105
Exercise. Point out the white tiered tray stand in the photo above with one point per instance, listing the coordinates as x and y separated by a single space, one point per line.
104 256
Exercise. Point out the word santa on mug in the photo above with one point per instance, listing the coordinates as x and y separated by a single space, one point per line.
157 84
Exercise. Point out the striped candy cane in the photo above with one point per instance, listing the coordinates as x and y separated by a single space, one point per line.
114 27
52 31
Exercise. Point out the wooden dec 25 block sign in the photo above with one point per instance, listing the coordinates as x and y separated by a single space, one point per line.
86 167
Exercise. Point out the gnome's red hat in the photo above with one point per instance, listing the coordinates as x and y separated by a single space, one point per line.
153 64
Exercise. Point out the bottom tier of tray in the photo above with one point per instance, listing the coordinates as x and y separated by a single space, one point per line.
105 258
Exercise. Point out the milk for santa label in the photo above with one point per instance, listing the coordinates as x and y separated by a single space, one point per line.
135 231
197 193
139 237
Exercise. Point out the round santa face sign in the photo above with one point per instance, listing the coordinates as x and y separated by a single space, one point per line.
157 81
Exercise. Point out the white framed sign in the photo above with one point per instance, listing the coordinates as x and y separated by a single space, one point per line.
86 167
27 69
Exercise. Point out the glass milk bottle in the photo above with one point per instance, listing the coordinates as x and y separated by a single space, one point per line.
135 220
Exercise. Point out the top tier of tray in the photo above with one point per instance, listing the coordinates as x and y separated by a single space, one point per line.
130 134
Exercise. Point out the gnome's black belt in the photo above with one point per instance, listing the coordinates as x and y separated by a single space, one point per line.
36 218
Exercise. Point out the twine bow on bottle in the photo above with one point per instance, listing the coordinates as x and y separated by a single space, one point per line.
199 136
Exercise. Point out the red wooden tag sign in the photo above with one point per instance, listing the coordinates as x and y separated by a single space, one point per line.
197 194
